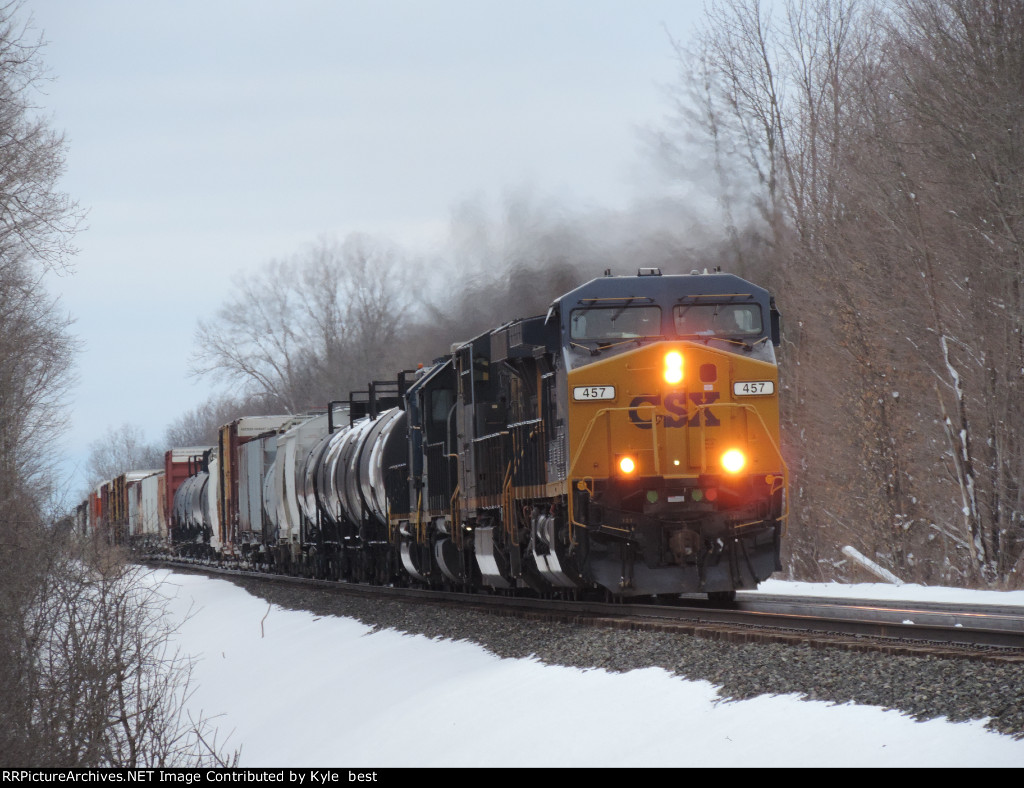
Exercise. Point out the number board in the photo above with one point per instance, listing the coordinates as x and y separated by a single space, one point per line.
592 393
753 388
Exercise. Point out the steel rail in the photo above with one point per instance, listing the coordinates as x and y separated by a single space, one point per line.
973 632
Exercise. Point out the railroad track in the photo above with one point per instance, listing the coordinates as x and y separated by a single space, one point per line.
981 633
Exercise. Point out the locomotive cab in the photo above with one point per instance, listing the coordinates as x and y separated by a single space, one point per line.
676 481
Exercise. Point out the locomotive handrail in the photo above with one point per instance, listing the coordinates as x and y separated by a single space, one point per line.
419 517
778 452
743 406
703 444
582 485
456 516
518 452
583 442
590 428
506 504
415 520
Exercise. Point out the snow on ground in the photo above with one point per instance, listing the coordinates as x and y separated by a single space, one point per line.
885 591
299 690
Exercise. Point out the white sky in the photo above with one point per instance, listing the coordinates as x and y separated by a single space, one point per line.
207 138
300 690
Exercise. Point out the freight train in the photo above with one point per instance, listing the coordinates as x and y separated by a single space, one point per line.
625 443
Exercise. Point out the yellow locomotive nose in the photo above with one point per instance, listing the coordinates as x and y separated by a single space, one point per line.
674 367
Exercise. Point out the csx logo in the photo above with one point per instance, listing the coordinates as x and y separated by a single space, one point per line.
676 403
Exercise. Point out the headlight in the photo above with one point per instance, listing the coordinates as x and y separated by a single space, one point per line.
627 465
733 461
674 367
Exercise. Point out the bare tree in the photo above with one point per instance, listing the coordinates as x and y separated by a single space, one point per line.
35 350
309 329
86 676
35 361
37 220
200 426
37 223
121 449
885 142
960 80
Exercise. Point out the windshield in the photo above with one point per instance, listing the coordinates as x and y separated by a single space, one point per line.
728 320
621 322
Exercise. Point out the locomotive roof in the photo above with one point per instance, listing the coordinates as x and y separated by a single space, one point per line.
657 286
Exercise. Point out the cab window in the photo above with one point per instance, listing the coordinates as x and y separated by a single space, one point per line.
727 320
629 322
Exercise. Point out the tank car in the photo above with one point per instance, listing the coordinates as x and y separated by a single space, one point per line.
180 464
346 471
190 528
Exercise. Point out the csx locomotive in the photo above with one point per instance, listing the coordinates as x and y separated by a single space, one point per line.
625 443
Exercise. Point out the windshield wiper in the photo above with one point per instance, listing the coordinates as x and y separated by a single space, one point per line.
622 309
591 350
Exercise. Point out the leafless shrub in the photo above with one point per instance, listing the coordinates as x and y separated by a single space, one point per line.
98 681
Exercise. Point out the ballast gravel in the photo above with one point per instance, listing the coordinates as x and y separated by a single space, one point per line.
923 687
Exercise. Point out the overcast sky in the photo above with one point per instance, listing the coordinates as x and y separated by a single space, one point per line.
207 138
